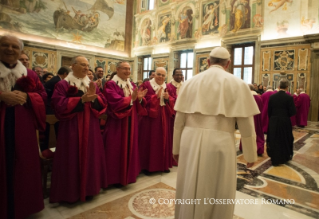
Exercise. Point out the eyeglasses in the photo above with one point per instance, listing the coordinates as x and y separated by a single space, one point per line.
125 68
83 65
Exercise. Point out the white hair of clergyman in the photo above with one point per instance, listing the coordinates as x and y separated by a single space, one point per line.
75 57
251 87
118 65
300 89
269 87
21 45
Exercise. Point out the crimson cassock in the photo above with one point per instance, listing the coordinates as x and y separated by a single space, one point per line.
155 145
172 90
260 139
302 105
293 118
264 114
121 135
20 171
79 161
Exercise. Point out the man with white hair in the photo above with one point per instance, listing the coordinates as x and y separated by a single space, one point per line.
22 112
78 171
155 143
302 105
264 114
207 109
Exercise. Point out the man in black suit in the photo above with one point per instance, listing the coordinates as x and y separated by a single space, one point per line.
279 138
49 86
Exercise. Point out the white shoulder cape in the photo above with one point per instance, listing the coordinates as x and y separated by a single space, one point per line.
216 92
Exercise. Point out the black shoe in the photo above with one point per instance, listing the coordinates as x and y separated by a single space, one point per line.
146 172
88 198
166 171
118 185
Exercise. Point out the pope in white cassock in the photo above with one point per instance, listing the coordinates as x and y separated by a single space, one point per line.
208 107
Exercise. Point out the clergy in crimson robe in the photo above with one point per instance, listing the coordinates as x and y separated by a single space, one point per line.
260 140
155 146
173 88
293 118
120 136
279 136
79 162
302 104
22 111
264 114
207 107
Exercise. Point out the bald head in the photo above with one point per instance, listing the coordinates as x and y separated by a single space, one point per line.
10 49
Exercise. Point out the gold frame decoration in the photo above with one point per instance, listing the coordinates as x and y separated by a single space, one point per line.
198 65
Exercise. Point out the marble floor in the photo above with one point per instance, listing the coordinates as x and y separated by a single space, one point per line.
297 182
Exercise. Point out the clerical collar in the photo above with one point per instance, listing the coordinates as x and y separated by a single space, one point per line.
80 83
282 90
10 66
217 66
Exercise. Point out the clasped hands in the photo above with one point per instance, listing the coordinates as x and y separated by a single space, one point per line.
14 98
138 94
90 95
166 96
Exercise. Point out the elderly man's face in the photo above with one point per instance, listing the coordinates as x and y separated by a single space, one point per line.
160 76
80 67
39 71
99 72
25 60
9 50
178 76
124 71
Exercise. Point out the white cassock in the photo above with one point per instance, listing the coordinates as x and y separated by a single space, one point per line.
207 108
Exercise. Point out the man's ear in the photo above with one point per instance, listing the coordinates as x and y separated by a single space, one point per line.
208 61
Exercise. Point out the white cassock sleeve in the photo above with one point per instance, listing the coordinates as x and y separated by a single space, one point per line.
178 129
248 138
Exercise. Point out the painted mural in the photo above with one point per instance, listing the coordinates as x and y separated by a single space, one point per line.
185 28
240 15
164 28
146 32
210 18
77 21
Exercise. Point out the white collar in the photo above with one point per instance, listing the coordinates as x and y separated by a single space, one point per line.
217 66
17 71
175 83
253 92
125 85
80 83
156 87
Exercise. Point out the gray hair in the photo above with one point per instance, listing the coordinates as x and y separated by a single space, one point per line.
283 84
33 68
118 65
75 57
21 45
251 87
214 61
269 87
301 89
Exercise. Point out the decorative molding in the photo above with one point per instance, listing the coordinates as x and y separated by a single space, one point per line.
311 38
289 40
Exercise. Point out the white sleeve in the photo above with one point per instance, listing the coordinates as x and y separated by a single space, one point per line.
178 129
248 138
